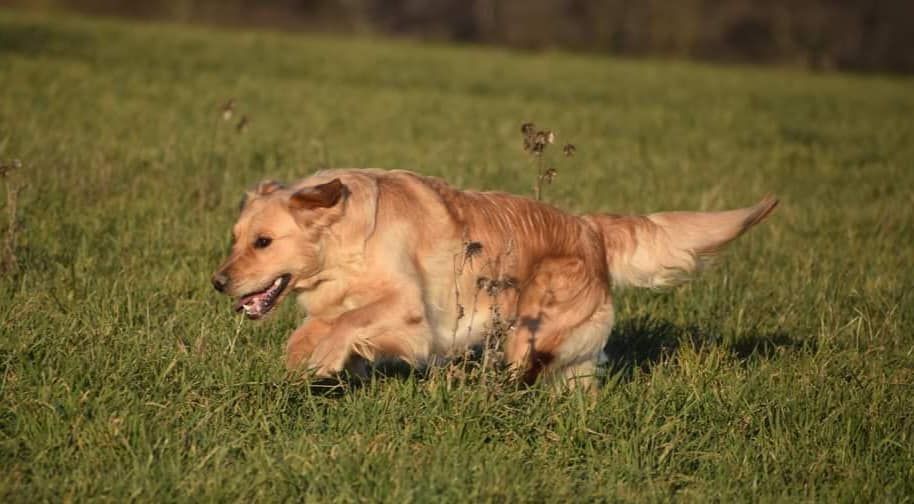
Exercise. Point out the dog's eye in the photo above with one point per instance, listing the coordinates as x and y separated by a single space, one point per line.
262 242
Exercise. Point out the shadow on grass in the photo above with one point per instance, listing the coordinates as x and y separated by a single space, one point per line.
349 381
638 343
642 342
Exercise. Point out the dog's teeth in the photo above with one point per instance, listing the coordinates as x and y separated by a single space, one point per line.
258 304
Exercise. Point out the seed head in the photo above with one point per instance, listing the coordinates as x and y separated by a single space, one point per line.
472 249
227 109
549 175
538 142
8 166
242 124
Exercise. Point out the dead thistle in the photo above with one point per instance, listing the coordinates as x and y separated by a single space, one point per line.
470 250
227 109
535 144
242 124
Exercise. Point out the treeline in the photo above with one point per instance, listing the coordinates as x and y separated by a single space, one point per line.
863 35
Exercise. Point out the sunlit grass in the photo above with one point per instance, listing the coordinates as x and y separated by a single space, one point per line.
785 373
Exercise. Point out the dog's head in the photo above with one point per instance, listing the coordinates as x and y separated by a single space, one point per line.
278 243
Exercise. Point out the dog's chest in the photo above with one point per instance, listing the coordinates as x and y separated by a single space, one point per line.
328 299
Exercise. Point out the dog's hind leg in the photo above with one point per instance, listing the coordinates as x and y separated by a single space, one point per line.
564 317
580 353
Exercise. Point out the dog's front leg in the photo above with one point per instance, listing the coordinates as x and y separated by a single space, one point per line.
304 340
386 327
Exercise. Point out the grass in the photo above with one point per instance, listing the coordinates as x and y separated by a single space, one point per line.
784 374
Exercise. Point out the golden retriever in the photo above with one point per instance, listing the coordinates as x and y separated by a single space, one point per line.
396 264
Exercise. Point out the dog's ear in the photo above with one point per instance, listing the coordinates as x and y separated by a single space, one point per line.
319 196
268 187
263 188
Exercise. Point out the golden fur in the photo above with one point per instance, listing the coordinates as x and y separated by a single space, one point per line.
395 264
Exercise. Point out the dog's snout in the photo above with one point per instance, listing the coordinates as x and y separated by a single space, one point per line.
220 281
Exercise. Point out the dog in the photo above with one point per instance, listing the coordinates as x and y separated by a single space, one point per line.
393 264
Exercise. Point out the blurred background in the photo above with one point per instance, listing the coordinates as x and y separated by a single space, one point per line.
856 35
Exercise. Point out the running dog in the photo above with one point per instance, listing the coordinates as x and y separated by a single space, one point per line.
396 264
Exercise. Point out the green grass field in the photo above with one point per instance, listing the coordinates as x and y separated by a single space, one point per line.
786 373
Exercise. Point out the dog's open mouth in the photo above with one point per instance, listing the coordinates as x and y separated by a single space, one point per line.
258 304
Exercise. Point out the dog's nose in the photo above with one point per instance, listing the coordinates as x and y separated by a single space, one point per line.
220 280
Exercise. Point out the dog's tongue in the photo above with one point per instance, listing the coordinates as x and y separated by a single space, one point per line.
258 303
251 303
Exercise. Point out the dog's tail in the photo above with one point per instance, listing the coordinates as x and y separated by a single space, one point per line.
664 249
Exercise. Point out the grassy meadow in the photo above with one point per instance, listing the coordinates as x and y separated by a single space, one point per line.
784 374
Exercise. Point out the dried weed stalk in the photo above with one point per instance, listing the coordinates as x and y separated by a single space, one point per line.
227 111
535 144
491 281
220 150
8 261
465 256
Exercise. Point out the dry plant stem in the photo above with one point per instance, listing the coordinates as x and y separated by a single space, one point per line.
9 261
9 247
535 143
458 271
469 250
473 311
538 188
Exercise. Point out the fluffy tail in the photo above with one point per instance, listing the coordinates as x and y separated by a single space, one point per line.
664 249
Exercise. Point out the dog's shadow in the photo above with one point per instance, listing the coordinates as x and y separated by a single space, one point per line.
642 342
637 343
